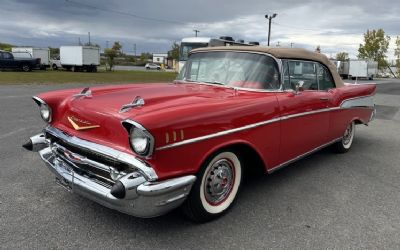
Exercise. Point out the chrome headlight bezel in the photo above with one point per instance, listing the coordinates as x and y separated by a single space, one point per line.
44 109
141 135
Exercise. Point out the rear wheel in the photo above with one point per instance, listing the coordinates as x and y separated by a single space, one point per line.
216 187
345 143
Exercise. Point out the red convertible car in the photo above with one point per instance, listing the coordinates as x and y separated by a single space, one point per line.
145 149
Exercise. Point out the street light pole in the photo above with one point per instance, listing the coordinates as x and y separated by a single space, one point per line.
270 17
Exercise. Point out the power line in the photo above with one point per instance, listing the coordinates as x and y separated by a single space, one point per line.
124 13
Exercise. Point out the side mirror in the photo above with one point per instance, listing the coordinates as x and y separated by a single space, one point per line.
298 87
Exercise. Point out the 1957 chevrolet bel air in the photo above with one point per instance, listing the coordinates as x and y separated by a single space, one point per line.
145 149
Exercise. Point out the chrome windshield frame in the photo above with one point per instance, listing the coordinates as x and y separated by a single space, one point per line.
277 60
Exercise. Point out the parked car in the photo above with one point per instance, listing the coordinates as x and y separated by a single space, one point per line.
145 149
21 55
42 53
7 61
152 66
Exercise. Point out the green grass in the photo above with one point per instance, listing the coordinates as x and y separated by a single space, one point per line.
54 77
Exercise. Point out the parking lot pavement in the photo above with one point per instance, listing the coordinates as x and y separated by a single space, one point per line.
323 201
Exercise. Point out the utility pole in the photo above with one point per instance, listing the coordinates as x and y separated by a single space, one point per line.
291 45
196 31
270 17
89 38
134 49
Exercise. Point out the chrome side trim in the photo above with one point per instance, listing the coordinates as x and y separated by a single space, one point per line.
287 117
230 131
226 132
254 125
301 156
363 101
131 160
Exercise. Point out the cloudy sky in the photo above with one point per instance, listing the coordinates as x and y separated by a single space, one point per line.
154 24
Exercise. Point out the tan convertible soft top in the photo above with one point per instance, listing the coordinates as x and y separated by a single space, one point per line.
284 53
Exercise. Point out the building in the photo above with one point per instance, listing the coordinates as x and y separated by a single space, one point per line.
160 58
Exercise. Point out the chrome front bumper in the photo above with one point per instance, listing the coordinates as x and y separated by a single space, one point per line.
142 196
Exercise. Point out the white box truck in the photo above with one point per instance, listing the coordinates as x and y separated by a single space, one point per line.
357 69
42 53
80 58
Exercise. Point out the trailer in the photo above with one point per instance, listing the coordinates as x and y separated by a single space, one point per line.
372 69
354 69
80 58
42 53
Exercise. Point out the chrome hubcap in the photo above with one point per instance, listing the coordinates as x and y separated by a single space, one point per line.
219 181
348 134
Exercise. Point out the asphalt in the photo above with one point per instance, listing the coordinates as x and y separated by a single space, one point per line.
348 201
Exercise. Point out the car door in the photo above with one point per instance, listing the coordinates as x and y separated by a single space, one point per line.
7 60
2 63
305 112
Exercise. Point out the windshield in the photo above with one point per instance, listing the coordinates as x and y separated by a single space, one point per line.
235 69
187 47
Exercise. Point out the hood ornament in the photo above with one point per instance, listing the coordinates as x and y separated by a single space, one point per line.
137 102
86 92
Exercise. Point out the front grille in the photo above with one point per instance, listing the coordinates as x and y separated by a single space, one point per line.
101 176
106 160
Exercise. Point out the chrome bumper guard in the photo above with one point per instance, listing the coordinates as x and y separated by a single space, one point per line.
143 196
373 115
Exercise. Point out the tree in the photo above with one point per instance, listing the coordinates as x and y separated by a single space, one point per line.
318 49
342 56
375 47
397 55
144 57
112 53
54 52
92 44
174 52
5 46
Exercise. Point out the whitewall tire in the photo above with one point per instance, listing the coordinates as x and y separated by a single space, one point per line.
216 187
346 142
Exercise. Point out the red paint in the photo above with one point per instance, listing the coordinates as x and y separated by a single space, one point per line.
201 110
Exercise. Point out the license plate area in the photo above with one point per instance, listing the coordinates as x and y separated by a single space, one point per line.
64 170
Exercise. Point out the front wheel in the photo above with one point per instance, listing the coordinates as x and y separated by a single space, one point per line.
345 143
216 187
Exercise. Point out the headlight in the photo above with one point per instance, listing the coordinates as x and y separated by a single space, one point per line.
45 112
140 141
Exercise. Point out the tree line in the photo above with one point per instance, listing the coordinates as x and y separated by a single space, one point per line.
375 47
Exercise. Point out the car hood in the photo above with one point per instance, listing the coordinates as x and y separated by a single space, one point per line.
98 118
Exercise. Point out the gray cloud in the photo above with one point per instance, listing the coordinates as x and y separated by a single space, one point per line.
336 26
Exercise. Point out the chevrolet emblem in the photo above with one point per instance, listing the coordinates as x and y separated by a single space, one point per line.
74 124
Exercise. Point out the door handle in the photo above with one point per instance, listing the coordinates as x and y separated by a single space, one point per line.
325 99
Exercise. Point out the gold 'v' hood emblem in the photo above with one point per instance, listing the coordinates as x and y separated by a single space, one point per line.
74 122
